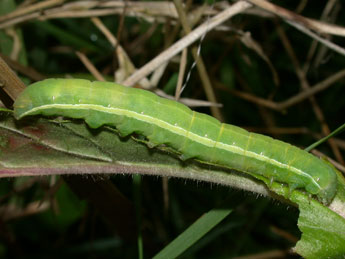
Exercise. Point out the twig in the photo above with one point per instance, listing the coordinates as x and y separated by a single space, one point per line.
323 85
323 41
17 43
186 41
88 64
28 71
182 70
320 27
110 37
84 9
280 106
28 9
9 81
157 75
124 61
205 79
305 86
330 5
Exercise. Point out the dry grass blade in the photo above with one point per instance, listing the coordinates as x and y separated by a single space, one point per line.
291 16
186 41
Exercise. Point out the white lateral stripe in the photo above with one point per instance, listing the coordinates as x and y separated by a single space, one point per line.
174 129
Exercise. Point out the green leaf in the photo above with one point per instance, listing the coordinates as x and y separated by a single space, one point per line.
323 228
196 231
323 231
43 147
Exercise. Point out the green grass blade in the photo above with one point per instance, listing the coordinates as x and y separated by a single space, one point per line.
192 234
335 132
66 37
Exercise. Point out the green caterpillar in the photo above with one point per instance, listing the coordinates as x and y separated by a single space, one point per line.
192 134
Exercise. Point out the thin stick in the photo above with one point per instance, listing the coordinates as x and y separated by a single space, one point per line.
182 70
291 16
9 81
186 41
31 8
305 86
279 106
198 61
28 71
88 64
122 56
323 41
